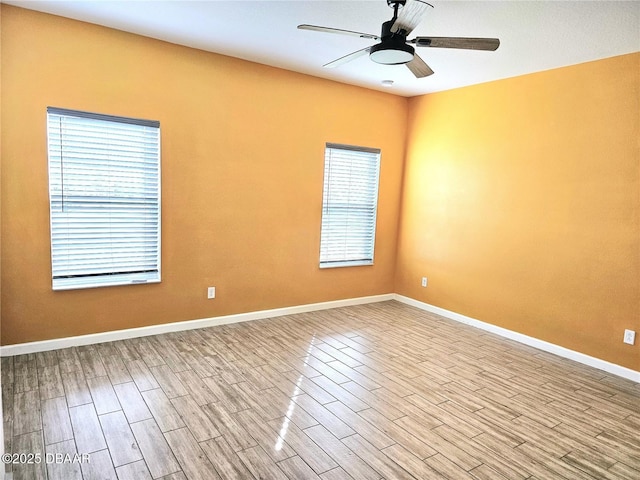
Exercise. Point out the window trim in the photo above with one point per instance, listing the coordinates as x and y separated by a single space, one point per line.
357 262
116 278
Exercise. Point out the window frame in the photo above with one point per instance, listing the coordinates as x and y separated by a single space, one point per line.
375 179
115 278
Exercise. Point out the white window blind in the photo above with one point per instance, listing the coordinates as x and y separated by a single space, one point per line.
104 192
349 205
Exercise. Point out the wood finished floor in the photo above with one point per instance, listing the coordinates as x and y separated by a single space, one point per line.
366 392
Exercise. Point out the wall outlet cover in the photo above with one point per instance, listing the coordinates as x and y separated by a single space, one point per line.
629 337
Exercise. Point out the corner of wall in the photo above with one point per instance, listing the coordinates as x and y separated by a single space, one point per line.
409 101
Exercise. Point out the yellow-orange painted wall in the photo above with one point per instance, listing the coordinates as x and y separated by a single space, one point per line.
520 198
242 170
521 205
2 434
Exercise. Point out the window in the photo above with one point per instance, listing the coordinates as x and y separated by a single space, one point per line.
104 198
349 205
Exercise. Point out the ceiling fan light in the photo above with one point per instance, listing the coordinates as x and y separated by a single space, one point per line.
395 54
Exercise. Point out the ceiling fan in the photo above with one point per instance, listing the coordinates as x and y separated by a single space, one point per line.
394 48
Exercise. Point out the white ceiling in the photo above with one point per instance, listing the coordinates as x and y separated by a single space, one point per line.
535 35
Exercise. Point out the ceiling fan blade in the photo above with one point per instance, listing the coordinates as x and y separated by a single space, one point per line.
489 44
316 28
347 58
418 67
410 16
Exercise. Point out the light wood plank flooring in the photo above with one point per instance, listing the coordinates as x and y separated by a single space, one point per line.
366 392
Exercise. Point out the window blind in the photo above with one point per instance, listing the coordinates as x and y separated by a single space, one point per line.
349 205
104 192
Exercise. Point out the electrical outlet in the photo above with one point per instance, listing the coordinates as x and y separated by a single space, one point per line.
629 337
211 292
424 281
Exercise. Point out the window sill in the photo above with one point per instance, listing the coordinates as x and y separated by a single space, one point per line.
116 280
355 263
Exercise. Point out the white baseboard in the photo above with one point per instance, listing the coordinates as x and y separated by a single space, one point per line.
609 367
56 343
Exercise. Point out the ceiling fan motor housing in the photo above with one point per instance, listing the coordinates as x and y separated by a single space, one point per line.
393 3
393 49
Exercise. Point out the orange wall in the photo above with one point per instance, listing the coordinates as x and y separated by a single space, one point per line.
521 198
242 171
1 11
521 205
1 433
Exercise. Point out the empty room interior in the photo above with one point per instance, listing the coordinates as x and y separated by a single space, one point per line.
220 259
